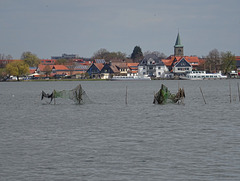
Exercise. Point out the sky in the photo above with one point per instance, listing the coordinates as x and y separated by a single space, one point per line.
53 27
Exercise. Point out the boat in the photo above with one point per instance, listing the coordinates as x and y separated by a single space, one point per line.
202 75
135 77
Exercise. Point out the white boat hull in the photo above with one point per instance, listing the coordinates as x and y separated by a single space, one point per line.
202 75
126 78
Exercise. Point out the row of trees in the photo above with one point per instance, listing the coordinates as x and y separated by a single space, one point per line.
19 68
220 61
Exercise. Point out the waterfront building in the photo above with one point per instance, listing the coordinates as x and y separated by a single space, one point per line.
152 66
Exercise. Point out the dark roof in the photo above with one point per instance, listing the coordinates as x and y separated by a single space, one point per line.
81 67
182 63
100 61
157 60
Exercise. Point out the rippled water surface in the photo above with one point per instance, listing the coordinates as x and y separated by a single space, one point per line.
109 140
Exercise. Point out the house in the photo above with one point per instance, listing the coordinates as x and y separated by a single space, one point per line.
79 70
169 62
122 67
237 61
195 62
66 56
47 61
152 66
109 70
53 70
132 69
94 71
181 67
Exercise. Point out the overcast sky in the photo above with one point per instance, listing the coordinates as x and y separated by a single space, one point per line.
53 27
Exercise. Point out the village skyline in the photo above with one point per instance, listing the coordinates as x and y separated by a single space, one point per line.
50 28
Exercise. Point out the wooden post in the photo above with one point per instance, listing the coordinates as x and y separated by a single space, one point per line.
126 101
203 95
238 93
230 92
54 97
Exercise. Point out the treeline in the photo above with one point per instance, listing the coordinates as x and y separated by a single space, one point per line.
215 61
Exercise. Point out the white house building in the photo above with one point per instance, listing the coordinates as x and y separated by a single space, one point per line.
182 67
152 66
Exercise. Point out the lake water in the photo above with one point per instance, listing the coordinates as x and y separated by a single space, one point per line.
107 140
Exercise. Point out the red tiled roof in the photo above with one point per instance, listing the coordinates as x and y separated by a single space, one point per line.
48 61
193 60
132 64
99 65
114 68
120 64
169 61
57 67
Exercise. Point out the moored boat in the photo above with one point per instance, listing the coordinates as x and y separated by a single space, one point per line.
130 78
202 75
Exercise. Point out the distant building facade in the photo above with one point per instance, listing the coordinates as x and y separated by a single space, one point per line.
66 56
152 66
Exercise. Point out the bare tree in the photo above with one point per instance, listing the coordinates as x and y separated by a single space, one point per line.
157 53
213 61
3 57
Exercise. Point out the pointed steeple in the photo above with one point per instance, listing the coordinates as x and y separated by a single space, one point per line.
178 41
178 47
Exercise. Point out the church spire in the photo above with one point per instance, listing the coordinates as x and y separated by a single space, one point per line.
178 41
178 47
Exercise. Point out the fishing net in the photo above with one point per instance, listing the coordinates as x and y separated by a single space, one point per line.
164 96
78 95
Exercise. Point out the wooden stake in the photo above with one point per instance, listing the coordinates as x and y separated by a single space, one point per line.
126 101
203 95
230 92
238 93
54 97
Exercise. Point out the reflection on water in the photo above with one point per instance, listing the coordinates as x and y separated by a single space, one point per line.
109 140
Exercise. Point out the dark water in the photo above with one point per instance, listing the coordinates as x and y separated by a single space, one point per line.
108 140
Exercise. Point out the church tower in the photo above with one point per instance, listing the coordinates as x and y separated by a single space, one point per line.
178 47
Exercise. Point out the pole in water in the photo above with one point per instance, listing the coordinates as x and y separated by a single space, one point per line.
203 95
126 101
238 93
230 92
54 97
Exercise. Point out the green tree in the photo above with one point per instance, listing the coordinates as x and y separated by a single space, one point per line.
228 61
17 68
137 54
31 59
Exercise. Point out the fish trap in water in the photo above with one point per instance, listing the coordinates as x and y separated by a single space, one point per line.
164 96
78 95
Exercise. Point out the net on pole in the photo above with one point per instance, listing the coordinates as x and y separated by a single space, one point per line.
78 95
164 96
